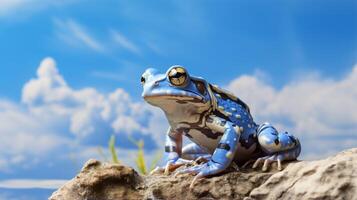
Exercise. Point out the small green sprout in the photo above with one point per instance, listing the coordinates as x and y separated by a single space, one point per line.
112 150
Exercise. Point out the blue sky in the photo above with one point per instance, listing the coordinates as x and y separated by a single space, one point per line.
280 37
264 51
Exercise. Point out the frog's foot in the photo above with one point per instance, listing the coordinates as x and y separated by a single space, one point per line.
278 157
166 170
278 146
203 170
171 166
201 160
267 160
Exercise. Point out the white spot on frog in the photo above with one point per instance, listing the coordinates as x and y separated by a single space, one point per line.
229 155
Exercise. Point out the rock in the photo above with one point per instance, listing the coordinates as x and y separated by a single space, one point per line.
101 181
331 178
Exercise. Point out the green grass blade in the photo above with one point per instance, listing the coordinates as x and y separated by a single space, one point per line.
140 160
112 150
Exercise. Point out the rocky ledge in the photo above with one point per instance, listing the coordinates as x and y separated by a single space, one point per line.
331 178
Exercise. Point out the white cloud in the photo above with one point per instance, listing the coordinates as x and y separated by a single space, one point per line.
51 110
124 42
318 110
24 137
76 34
86 108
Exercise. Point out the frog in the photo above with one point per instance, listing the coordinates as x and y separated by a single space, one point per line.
218 124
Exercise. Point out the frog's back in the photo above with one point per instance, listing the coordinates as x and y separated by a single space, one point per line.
226 95
231 108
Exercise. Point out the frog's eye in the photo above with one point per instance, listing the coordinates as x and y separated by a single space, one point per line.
142 80
177 76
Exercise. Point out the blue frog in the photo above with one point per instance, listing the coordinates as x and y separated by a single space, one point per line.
218 123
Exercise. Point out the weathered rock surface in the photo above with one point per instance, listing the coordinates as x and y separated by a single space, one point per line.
331 178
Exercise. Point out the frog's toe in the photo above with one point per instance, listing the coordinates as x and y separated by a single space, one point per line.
279 164
157 170
257 162
267 161
165 169
203 170
170 167
189 170
207 169
266 164
199 175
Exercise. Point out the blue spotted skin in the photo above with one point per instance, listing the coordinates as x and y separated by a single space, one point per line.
239 116
274 142
218 123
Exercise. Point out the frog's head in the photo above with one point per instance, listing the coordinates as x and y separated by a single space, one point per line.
175 91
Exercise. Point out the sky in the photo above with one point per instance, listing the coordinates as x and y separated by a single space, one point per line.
70 74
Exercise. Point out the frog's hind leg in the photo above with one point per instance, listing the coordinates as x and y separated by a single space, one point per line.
194 152
276 146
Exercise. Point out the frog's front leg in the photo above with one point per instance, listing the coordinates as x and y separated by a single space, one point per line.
224 153
276 146
173 148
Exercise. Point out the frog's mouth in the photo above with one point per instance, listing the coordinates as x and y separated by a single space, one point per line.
163 97
158 98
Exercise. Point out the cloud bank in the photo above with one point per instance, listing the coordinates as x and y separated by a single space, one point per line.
87 109
25 137
54 119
